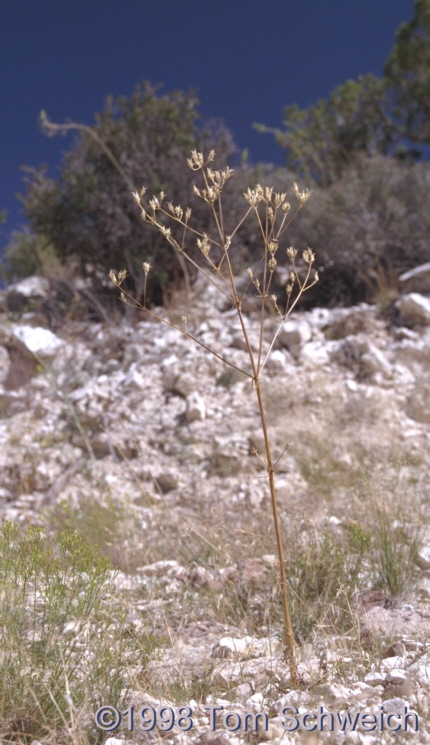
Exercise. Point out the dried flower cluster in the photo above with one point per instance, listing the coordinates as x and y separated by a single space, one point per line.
272 212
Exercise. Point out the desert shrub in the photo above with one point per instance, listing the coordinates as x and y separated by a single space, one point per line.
60 632
86 214
396 550
324 141
324 570
368 228
109 526
25 254
407 75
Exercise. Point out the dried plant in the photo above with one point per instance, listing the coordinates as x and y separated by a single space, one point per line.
211 255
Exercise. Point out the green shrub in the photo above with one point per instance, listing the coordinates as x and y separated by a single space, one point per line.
369 227
108 526
396 547
27 254
60 632
323 572
87 215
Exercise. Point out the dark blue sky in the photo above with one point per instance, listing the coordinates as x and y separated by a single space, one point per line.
247 58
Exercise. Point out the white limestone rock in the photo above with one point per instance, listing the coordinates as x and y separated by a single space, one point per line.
294 334
417 279
415 308
38 340
196 408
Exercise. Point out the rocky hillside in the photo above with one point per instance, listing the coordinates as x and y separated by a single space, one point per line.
143 443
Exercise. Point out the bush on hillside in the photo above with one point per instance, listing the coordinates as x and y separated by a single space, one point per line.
88 215
367 228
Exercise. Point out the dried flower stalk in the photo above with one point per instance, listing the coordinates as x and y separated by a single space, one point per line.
273 214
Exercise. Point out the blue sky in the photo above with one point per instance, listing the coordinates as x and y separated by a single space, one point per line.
247 59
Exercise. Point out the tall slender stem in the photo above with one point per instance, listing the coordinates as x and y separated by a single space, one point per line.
288 628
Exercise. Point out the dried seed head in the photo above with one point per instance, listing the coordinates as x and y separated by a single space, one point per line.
117 279
254 196
179 212
273 246
292 253
187 214
268 191
196 160
154 204
210 194
204 245
308 256
274 300
121 276
279 199
146 267
286 207
219 178
272 263
302 196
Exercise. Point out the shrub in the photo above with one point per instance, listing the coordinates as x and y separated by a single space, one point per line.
86 214
323 142
60 632
397 546
370 227
110 526
324 570
26 254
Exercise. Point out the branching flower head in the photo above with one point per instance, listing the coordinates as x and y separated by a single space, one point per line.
196 160
119 278
219 178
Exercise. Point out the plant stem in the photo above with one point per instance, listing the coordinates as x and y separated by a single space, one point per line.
288 628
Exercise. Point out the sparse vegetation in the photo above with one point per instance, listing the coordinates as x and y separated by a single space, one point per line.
63 648
396 545
125 591
110 527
